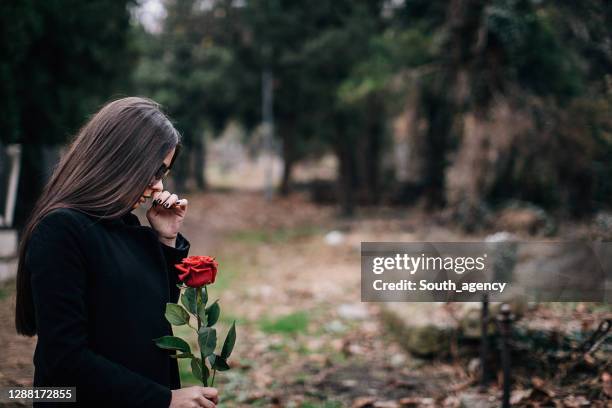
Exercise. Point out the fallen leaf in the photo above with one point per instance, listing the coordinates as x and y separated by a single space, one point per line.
364 402
386 404
410 402
254 396
540 385
519 395
451 402
414 402
349 383
575 402
606 379
590 360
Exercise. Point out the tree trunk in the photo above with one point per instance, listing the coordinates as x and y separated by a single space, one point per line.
286 179
440 115
199 161
346 176
448 94
30 182
371 151
182 165
346 171
287 135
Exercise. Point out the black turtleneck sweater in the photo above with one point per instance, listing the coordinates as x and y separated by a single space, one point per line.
100 288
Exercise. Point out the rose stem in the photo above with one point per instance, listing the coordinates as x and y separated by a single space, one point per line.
212 381
199 302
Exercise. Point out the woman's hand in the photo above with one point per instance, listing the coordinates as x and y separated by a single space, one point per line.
166 216
194 397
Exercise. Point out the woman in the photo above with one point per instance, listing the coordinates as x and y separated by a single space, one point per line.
92 282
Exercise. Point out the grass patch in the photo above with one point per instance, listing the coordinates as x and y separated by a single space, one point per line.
228 319
289 324
3 293
7 288
258 236
327 404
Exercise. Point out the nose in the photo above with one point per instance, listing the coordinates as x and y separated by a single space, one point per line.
157 186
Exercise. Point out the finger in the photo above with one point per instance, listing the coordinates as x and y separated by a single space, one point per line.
182 202
161 197
211 393
205 402
170 201
155 195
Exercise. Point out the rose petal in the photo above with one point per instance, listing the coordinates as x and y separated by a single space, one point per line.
197 280
200 269
181 268
183 276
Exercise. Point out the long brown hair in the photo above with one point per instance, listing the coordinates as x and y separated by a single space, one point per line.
108 166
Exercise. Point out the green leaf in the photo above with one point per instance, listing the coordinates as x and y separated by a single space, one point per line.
196 368
218 363
202 314
204 295
176 315
207 338
199 370
182 355
172 343
188 299
212 313
230 340
201 296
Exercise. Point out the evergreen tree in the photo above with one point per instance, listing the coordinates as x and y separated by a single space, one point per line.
61 60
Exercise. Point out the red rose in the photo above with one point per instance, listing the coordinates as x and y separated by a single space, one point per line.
197 271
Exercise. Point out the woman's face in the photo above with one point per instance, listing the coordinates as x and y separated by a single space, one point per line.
158 186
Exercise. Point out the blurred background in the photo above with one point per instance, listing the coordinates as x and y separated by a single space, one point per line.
310 127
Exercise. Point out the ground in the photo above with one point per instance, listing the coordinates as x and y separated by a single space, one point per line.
304 337
290 277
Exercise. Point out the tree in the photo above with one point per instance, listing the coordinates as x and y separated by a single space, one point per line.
311 50
192 69
522 66
61 59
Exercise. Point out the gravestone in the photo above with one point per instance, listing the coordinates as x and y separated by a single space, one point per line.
10 156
